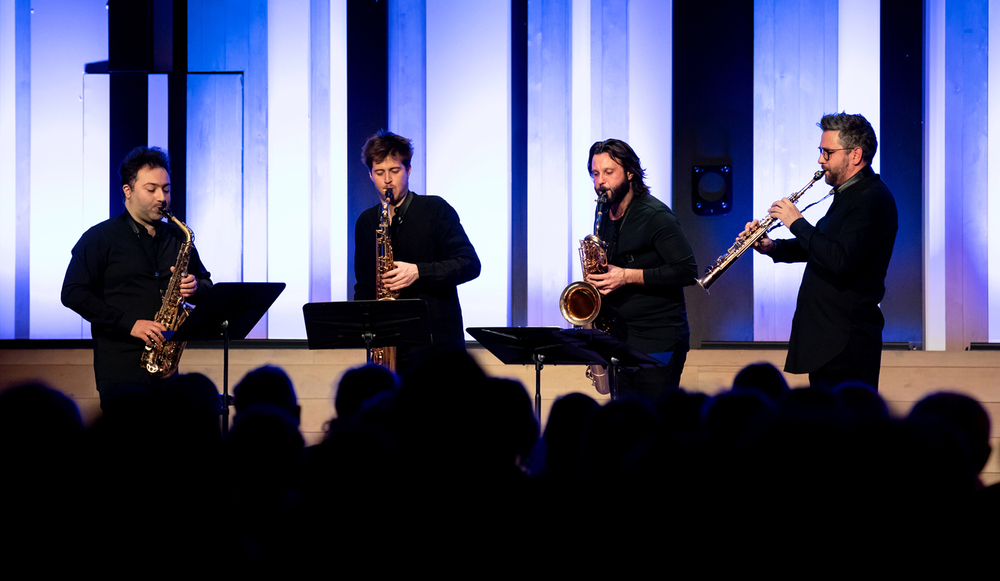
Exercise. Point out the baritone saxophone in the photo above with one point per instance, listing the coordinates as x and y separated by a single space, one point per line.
580 302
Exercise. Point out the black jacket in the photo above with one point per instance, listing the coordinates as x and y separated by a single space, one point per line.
429 234
847 255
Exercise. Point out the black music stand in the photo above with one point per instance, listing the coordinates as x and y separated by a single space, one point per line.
620 355
367 324
536 346
228 310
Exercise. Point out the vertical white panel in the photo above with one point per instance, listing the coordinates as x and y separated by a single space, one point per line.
859 57
65 35
934 190
795 79
468 101
157 108
582 134
288 163
96 159
8 182
993 218
214 171
339 228
650 94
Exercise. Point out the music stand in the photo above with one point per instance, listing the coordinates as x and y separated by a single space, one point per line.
620 355
367 324
229 310
537 346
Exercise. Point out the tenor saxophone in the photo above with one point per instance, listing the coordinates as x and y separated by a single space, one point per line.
384 356
764 225
161 360
580 302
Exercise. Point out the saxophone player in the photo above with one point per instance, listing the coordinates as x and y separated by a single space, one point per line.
837 327
649 263
432 255
120 268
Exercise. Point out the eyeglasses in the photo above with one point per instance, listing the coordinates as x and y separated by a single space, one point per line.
826 153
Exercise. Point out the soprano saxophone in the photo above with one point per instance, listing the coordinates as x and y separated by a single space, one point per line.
161 360
580 302
384 356
764 225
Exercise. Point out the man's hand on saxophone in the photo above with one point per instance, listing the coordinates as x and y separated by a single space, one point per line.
151 332
404 275
615 278
763 244
785 211
189 285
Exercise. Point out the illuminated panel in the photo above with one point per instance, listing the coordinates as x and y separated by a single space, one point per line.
993 187
65 36
934 154
214 171
156 111
339 230
549 163
859 57
288 164
650 37
96 159
582 136
408 82
795 82
8 164
468 139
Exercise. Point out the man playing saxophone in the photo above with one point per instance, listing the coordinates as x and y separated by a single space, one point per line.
649 263
431 253
837 327
120 268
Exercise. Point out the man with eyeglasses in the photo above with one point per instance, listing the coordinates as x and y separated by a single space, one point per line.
837 328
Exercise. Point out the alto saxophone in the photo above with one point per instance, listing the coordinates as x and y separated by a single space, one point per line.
764 226
161 360
384 356
580 302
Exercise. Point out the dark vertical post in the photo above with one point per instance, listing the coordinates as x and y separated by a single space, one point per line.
367 105
130 43
177 104
901 162
518 307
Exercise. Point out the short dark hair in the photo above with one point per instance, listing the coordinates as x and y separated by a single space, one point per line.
855 131
386 144
139 158
625 156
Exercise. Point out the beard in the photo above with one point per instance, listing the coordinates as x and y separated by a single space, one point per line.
615 194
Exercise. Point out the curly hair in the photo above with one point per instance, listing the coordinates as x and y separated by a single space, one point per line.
139 158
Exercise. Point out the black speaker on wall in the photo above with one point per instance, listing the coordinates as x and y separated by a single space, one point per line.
711 189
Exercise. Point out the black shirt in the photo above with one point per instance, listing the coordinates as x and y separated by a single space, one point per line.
653 317
116 276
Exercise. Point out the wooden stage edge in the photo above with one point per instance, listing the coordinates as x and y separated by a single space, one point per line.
907 376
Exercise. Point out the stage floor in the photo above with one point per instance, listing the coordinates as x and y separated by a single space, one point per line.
907 376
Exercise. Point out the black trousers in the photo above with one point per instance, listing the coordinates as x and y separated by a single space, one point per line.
861 360
651 382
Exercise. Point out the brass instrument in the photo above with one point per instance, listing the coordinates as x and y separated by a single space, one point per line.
384 356
580 302
764 226
161 360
